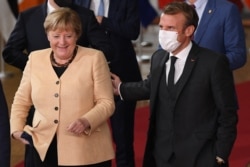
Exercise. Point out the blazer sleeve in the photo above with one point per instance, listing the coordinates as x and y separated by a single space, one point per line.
103 93
22 101
234 38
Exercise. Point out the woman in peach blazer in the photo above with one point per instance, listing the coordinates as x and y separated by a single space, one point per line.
71 90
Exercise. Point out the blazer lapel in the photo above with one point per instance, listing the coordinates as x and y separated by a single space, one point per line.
206 18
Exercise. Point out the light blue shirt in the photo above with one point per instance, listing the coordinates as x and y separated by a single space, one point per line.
95 5
199 7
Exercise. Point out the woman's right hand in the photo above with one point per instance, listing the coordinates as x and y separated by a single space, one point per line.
17 135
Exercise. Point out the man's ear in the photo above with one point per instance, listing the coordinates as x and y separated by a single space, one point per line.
189 31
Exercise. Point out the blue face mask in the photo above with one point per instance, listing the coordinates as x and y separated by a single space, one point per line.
63 3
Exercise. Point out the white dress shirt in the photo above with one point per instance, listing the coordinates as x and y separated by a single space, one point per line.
50 8
179 64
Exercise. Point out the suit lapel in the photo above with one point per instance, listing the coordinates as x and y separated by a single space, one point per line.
205 20
85 3
113 7
157 70
45 9
189 66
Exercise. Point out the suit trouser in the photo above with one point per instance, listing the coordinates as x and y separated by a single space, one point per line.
122 124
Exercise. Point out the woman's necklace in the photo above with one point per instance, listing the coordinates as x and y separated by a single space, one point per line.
52 58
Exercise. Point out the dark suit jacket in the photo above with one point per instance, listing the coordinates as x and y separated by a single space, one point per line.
29 35
122 25
14 7
221 30
4 130
147 12
205 114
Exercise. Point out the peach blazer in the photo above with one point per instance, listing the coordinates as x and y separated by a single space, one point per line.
84 90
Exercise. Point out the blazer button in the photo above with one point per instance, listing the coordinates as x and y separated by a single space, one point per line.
57 82
56 108
56 95
56 121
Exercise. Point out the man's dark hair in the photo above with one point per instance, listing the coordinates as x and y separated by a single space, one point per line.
182 7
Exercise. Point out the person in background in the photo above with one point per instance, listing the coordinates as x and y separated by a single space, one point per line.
193 108
121 22
220 29
4 130
28 34
73 101
148 14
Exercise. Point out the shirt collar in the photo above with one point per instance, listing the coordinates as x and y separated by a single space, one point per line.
182 55
50 8
199 3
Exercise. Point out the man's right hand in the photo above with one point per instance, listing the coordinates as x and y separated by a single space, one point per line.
116 83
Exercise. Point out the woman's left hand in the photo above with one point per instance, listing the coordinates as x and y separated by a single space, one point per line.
79 126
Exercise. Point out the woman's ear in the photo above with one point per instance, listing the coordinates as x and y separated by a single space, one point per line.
48 37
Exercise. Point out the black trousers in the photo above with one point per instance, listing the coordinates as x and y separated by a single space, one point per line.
122 124
32 158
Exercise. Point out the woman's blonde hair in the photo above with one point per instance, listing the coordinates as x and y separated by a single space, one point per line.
64 19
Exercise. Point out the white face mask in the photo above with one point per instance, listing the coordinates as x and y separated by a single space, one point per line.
168 40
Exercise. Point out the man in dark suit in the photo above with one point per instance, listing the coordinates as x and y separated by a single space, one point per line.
193 113
29 34
121 22
220 29
4 130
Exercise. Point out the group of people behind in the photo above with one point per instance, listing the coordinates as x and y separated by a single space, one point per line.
77 66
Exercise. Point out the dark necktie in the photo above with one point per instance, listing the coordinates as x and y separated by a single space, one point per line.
171 72
192 5
101 8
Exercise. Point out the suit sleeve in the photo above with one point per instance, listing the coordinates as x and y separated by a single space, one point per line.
234 38
125 20
5 130
136 90
226 101
13 52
